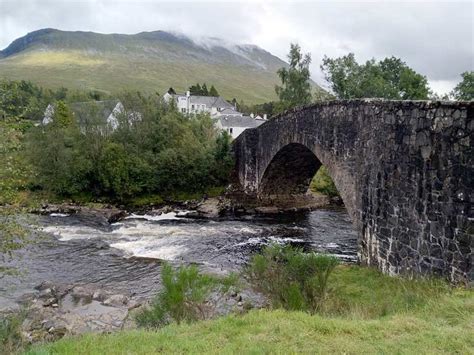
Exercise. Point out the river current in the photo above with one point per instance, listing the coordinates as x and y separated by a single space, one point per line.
125 256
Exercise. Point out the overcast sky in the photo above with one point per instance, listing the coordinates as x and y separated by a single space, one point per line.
435 38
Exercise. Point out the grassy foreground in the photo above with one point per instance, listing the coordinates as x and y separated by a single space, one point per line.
366 313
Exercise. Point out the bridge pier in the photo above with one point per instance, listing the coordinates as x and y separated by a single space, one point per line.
405 170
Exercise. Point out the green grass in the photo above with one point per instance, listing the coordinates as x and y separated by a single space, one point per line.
370 313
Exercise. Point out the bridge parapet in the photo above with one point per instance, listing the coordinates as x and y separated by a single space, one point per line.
405 170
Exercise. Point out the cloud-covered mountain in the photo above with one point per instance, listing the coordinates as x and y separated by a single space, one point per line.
147 61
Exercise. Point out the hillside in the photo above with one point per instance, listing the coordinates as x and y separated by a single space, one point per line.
147 61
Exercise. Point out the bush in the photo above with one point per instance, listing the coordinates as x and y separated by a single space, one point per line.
185 291
11 339
323 183
291 278
162 152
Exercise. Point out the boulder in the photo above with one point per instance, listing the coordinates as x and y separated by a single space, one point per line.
116 300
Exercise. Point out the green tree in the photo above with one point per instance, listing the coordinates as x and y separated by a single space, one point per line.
389 78
57 153
213 91
122 174
204 90
223 157
195 89
22 99
62 117
465 89
296 87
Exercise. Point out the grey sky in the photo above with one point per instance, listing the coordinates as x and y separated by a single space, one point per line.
435 38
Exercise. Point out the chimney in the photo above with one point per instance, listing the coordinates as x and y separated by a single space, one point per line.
264 116
188 93
251 115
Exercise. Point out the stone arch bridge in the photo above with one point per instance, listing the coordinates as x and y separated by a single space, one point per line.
404 169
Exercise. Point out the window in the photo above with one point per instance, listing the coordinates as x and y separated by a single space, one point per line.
230 130
192 107
183 110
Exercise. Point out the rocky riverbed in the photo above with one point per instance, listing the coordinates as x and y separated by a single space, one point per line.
56 310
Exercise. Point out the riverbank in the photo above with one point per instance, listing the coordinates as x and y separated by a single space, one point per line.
199 207
111 268
367 312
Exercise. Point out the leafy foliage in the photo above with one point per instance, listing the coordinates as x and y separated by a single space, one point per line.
291 278
62 117
15 172
154 150
183 297
323 183
389 78
296 87
22 99
57 154
465 89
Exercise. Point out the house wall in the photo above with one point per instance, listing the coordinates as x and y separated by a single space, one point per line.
235 131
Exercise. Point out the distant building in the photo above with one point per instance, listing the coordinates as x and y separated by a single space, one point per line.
100 113
193 104
235 125
225 115
228 112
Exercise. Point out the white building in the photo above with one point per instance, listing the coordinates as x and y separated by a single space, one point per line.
193 104
235 125
226 117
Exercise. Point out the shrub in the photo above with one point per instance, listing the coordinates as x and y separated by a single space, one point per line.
183 298
11 339
291 278
323 183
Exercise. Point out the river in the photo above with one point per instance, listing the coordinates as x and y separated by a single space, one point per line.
125 256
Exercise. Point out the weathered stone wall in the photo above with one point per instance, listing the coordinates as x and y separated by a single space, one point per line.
405 170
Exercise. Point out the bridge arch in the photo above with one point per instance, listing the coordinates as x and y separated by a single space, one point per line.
403 168
290 171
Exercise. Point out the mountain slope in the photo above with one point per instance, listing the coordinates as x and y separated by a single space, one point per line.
147 61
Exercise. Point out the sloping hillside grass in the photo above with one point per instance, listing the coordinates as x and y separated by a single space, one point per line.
112 73
367 313
147 62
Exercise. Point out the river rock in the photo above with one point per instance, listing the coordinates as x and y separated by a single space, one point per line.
116 300
45 293
267 210
81 293
45 285
99 295
211 208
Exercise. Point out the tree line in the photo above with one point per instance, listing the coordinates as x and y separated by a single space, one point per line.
160 152
389 78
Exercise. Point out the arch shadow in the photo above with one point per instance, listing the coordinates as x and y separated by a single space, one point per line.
290 171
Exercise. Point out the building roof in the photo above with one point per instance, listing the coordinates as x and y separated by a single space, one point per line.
230 112
239 121
209 101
